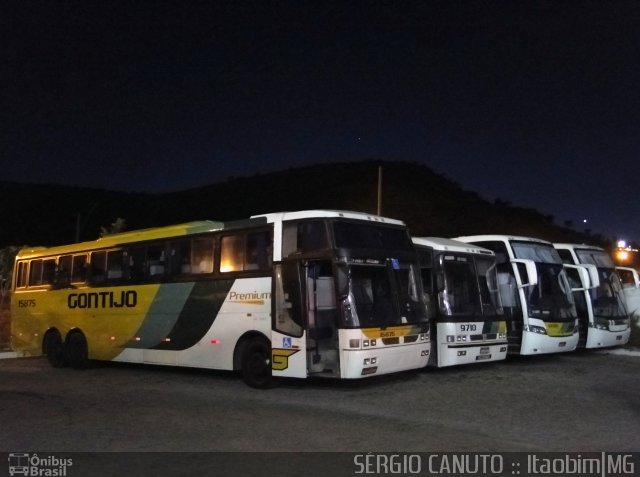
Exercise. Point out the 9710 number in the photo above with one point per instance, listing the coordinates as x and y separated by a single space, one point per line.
467 327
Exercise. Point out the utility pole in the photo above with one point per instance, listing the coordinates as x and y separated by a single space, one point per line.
379 209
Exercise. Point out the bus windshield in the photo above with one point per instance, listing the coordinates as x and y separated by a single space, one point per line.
382 295
607 299
551 299
598 258
538 252
488 281
470 287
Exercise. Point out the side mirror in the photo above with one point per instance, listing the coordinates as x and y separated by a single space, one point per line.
342 278
628 276
532 271
583 276
594 276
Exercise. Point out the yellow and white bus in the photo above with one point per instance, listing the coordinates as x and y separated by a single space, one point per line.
535 292
460 282
296 294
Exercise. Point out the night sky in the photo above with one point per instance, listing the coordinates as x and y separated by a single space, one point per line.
536 103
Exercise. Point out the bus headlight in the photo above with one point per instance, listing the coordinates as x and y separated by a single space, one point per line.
535 329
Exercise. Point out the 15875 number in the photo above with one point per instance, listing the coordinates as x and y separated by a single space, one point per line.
26 303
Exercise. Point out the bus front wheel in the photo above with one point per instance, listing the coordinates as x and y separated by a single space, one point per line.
77 350
256 364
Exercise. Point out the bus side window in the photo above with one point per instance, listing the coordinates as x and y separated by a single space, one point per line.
202 256
79 269
98 267
259 251
232 253
21 275
35 273
63 275
155 261
180 258
48 271
115 260
136 264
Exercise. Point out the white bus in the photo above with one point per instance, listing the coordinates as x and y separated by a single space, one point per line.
535 293
604 319
460 282
295 294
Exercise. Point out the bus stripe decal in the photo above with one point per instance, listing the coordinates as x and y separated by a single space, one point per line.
161 316
197 315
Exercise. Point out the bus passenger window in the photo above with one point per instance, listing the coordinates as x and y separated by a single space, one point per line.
155 260
232 253
48 271
180 258
98 267
259 251
114 265
202 256
312 236
35 273
21 276
63 276
136 258
79 269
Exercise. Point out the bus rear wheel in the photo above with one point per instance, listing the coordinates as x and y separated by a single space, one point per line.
77 350
54 349
256 364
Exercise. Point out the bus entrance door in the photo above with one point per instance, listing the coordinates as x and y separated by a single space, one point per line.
288 339
322 319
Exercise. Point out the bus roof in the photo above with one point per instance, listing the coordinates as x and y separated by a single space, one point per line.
140 235
582 246
320 213
449 245
196 227
501 238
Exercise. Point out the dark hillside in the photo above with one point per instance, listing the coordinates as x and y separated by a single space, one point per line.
428 202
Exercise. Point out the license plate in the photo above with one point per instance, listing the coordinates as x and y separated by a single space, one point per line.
485 351
483 357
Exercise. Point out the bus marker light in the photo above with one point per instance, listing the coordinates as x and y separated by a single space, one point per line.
112 338
373 342
166 340
214 342
462 353
137 338
365 343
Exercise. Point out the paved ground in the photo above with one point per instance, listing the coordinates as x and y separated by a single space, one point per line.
574 402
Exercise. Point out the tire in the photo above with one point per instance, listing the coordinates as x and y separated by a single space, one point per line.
55 351
77 351
256 364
